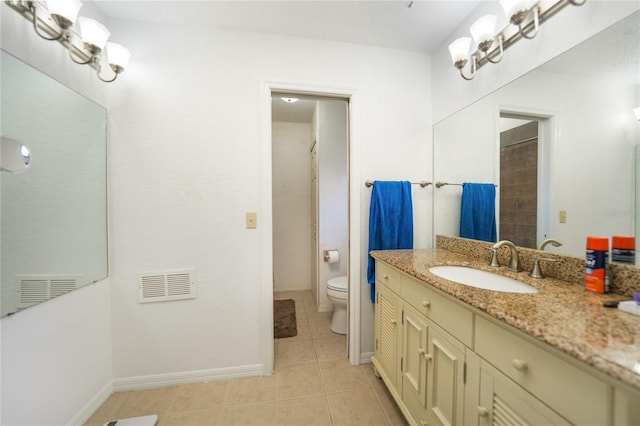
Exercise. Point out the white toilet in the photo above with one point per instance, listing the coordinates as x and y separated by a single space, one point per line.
337 293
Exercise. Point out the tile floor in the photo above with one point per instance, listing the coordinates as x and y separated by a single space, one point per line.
313 384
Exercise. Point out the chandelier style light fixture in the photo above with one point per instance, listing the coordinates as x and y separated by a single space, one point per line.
526 15
56 22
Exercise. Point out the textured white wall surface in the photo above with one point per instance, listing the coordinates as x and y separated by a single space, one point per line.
333 194
186 160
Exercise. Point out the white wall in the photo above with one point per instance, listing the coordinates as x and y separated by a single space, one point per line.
291 206
563 31
333 194
186 165
56 357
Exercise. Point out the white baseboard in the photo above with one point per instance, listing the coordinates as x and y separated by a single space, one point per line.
186 377
92 406
325 307
291 287
365 358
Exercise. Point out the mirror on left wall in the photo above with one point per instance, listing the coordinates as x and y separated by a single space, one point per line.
53 235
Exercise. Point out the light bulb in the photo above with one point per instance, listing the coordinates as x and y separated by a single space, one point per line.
459 49
513 7
64 12
93 33
483 29
118 56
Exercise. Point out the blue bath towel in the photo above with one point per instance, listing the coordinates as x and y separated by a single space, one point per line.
390 221
478 211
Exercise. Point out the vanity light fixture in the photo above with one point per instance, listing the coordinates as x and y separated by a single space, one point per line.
290 100
56 21
527 15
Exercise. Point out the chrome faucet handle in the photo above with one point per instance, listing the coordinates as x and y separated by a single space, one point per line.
514 261
548 241
536 272
494 257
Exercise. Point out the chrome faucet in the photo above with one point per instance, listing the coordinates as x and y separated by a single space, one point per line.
514 260
551 241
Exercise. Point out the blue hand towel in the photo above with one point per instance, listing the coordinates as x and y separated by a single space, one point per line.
390 221
478 211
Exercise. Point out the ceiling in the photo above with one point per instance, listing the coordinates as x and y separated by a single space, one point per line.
420 26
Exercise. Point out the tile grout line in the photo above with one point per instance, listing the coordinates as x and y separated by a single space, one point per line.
324 388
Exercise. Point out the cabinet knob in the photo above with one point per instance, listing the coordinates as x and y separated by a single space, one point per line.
385 277
428 357
426 303
482 411
519 364
394 322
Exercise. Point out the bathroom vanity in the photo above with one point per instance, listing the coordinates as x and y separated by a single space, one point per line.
455 354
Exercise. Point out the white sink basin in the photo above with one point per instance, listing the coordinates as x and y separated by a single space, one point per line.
481 279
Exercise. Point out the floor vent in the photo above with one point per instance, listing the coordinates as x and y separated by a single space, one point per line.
34 289
164 286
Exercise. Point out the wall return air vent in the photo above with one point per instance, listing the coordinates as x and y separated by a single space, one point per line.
35 288
164 286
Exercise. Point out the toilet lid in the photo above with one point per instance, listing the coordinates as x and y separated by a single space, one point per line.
338 283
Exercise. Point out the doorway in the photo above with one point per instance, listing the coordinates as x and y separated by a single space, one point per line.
310 194
524 182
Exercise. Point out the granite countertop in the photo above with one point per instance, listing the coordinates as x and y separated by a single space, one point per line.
562 314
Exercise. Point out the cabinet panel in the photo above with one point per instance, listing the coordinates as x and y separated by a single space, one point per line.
387 318
438 307
445 383
414 352
502 402
388 276
627 407
414 364
575 394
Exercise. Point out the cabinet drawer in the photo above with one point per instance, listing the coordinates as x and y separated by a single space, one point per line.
573 393
451 316
388 276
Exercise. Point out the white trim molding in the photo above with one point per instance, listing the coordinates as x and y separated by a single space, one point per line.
186 377
266 236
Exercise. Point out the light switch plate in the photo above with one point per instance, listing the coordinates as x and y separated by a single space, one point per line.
252 220
563 216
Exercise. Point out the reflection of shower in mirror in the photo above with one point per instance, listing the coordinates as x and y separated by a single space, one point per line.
15 156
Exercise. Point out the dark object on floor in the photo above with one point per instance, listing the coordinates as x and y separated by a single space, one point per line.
135 421
284 318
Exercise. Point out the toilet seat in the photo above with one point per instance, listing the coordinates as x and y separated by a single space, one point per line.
338 284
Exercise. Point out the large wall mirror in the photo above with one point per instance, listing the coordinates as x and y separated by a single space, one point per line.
559 143
53 211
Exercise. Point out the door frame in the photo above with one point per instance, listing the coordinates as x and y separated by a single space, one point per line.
266 209
548 133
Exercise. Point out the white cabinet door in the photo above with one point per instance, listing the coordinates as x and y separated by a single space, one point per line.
503 402
415 332
387 320
445 384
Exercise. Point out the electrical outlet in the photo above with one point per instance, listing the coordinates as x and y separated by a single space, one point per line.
252 220
563 216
